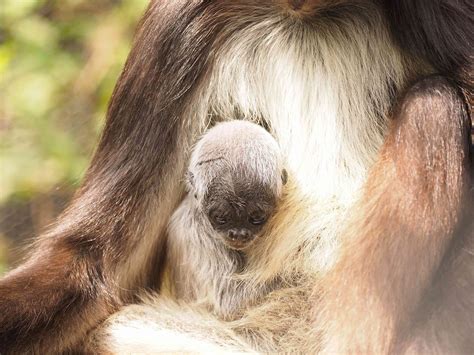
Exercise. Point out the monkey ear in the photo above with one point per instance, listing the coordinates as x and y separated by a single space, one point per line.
190 183
284 176
189 178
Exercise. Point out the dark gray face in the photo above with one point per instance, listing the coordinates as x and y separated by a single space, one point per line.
239 213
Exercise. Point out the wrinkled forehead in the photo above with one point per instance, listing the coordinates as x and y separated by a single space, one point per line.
237 154
237 141
242 177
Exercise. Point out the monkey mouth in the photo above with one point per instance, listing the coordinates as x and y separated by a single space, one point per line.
239 243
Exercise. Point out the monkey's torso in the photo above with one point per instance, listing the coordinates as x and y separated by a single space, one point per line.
203 270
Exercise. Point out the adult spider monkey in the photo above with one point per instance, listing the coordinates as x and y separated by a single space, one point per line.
377 146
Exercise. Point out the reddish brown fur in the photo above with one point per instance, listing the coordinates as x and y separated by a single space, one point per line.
407 222
45 294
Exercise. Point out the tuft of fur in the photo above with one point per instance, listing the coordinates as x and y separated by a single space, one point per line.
164 324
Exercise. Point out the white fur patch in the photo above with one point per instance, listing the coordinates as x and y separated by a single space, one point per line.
324 89
165 326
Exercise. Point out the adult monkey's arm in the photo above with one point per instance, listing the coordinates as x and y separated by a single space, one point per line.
406 222
105 244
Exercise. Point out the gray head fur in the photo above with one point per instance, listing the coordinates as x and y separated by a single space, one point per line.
236 176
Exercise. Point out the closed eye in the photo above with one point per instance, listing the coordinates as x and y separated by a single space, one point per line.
221 220
257 220
219 217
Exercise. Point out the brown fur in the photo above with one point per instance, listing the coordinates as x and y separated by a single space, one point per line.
406 224
402 281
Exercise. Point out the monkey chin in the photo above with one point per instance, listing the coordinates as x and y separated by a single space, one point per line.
239 244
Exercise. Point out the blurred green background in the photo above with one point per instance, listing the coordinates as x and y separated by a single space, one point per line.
59 61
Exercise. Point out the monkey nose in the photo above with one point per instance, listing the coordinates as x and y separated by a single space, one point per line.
239 234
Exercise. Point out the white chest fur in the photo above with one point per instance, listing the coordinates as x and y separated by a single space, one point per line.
325 91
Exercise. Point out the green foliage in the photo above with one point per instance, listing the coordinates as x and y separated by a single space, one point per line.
59 61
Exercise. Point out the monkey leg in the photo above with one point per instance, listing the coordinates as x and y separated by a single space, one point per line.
160 324
444 323
51 295
402 226
103 248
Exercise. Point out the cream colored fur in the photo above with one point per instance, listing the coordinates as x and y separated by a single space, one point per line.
325 91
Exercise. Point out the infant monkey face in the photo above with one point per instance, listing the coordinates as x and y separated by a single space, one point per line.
238 225
238 217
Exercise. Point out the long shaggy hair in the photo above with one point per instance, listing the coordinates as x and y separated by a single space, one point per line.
324 87
368 195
